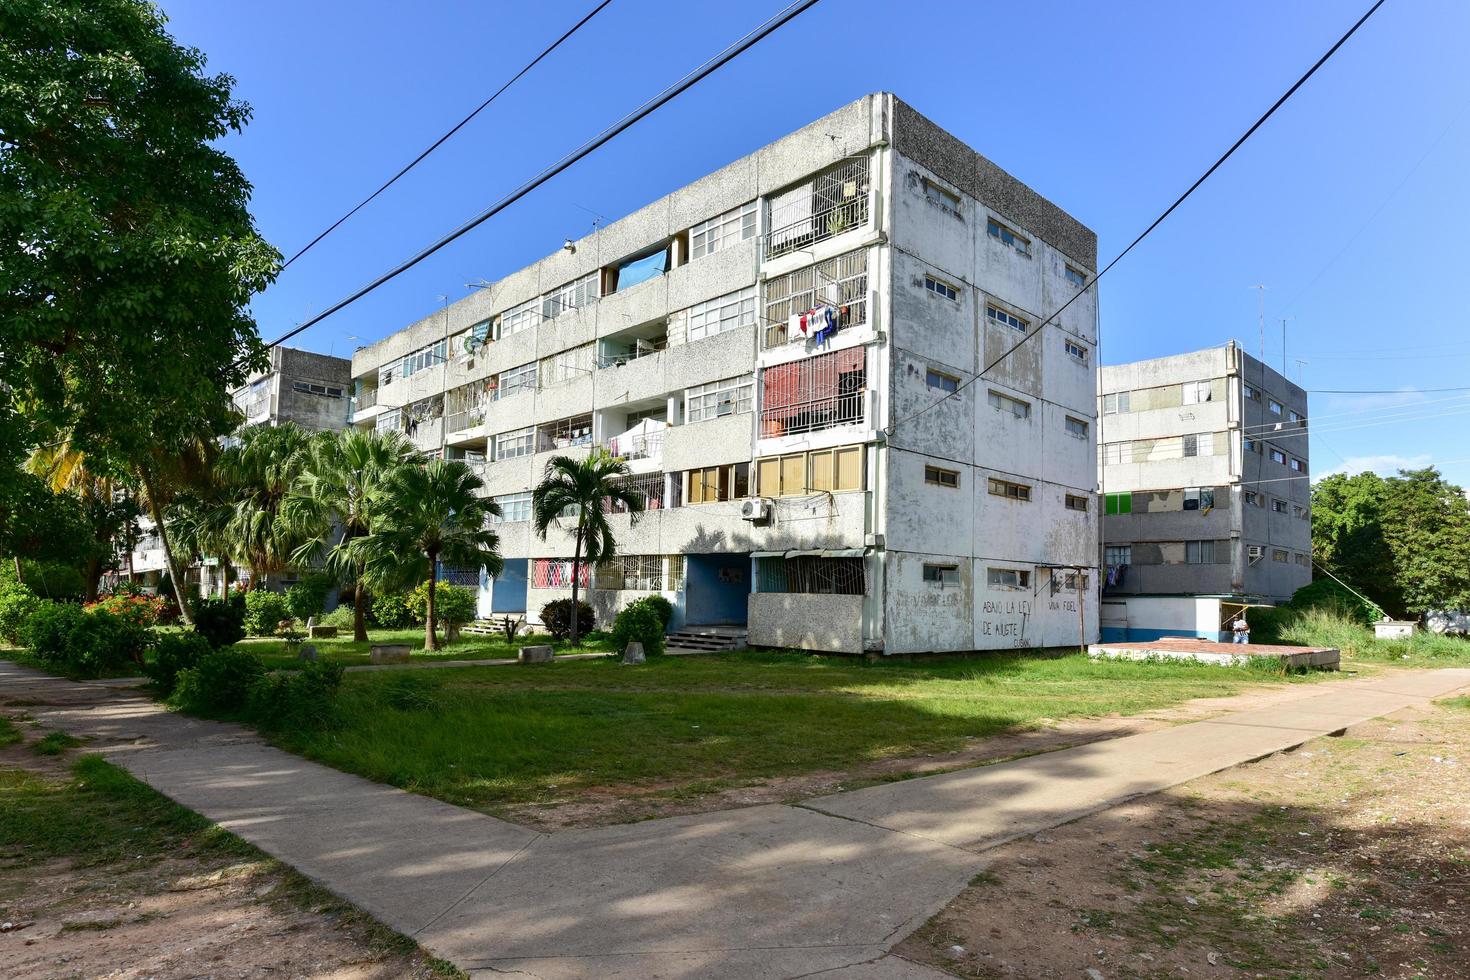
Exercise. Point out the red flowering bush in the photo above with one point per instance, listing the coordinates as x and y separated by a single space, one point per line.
140 610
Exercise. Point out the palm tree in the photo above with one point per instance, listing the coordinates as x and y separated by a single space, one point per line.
585 489
199 521
425 515
260 470
332 503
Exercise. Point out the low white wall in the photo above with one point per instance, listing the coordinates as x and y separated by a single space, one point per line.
830 623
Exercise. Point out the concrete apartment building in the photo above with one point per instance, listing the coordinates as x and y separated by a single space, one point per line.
758 346
1204 466
311 390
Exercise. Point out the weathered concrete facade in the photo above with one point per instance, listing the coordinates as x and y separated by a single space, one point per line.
1204 466
840 483
310 390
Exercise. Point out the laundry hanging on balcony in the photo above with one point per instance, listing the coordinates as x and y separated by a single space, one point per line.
818 323
643 440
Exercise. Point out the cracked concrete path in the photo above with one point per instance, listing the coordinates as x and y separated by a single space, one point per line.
824 888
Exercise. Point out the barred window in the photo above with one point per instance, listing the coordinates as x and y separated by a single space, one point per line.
520 317
722 231
568 365
649 486
556 573
715 316
830 203
575 294
718 398
643 573
811 575
565 433
1118 554
813 394
517 442
840 283
514 507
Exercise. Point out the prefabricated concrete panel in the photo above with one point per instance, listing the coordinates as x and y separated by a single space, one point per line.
832 623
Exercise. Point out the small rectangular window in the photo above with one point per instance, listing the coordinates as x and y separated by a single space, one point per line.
1191 445
1076 427
940 287
1274 406
1000 317
1253 446
1199 552
1118 554
941 196
1118 503
1298 510
1298 465
1076 351
1076 502
1005 403
1280 554
1008 236
1076 276
1301 559
1251 394
1255 499
940 381
1196 392
1013 491
941 477
1008 578
942 574
722 231
1277 456
1119 403
1199 498
1292 416
1279 506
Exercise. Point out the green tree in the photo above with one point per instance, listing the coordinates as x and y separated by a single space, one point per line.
128 255
260 469
338 488
1347 535
426 515
109 510
39 525
1426 524
576 495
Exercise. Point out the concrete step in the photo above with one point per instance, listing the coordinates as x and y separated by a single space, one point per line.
697 640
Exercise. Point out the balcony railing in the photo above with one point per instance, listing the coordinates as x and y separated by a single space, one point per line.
839 284
827 205
364 399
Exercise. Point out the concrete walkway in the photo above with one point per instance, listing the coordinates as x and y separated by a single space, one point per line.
766 892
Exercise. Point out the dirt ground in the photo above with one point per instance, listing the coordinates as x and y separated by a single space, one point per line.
601 805
1348 857
184 912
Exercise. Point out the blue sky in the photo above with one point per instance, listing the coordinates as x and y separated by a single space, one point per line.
1350 206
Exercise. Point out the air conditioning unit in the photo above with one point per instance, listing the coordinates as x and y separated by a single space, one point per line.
756 509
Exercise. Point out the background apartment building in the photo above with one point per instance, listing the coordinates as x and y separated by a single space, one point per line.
1204 469
786 353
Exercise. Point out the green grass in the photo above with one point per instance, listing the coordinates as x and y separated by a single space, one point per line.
55 743
1328 628
487 737
9 734
343 650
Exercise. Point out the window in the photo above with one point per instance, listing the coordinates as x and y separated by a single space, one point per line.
1274 406
1075 276
722 231
1301 559
565 433
1118 554
326 391
941 287
1117 404
941 575
574 295
811 575
1000 317
717 399
1076 427
716 483
514 507
1255 499
1191 445
715 316
1199 552
1251 394
816 393
941 196
1279 506
1280 555
1292 416
556 573
1076 502
1007 236
642 573
1065 581
1298 510
517 442
1007 578
1005 403
1199 498
1255 552
796 474
941 477
1252 445
389 421
940 381
647 486
515 379
425 357
1013 491
520 317
1076 351
1297 465
1277 456
839 283
828 204
1118 503
1196 392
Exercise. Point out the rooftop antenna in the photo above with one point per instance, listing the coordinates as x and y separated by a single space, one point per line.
1261 318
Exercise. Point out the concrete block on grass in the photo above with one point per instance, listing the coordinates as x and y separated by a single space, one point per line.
634 654
536 655
390 653
321 632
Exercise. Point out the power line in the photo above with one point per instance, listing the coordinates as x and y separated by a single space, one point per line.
456 128
729 54
1157 221
1382 391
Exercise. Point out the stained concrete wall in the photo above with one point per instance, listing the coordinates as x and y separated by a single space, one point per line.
830 623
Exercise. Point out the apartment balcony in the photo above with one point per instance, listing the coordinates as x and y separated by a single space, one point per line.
835 201
811 305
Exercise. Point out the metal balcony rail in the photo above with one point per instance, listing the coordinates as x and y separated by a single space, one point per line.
833 202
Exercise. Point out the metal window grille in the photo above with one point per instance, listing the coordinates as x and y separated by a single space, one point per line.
556 573
564 433
840 282
1118 554
722 313
568 365
460 575
817 393
832 202
642 573
728 397
675 581
465 406
813 575
649 486
722 231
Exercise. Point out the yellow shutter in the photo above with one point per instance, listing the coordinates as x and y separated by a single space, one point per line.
849 468
793 474
822 470
768 477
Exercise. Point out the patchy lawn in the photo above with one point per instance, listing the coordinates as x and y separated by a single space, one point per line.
680 728
101 876
470 646
1349 857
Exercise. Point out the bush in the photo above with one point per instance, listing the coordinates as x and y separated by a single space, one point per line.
453 604
174 653
341 617
84 644
660 605
305 698
308 597
49 580
1324 596
221 621
143 610
17 603
218 683
392 611
264 611
556 616
641 622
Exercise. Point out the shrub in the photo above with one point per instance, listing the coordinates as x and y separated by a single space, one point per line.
305 698
556 616
219 683
17 603
454 605
391 611
641 622
50 580
175 652
264 611
84 644
341 617
308 597
221 621
142 610
660 605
